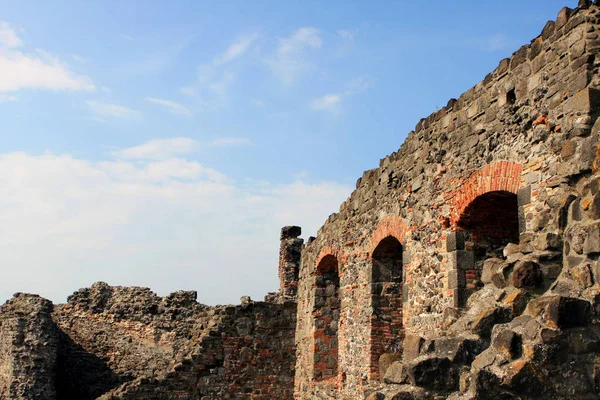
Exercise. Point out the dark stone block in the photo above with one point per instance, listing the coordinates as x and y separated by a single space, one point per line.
290 232
464 259
527 274
562 312
524 195
455 241
433 372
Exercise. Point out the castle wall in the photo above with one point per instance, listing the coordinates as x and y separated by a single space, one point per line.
28 349
524 131
128 343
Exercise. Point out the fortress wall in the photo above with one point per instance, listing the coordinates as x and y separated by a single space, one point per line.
28 348
250 354
525 130
128 343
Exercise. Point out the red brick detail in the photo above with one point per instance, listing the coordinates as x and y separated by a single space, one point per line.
498 176
391 225
328 250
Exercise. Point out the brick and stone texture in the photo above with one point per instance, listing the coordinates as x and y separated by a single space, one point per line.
491 176
128 343
466 266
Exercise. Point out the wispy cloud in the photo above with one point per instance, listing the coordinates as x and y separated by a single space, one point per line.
333 102
329 102
289 61
8 36
215 78
5 98
236 49
171 106
160 149
109 110
34 71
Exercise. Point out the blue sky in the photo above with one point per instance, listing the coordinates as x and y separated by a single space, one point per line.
164 144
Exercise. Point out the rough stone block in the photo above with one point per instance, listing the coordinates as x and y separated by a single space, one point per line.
562 18
455 241
560 311
396 373
290 232
385 362
433 372
585 101
524 195
463 259
592 240
412 347
487 318
508 343
527 274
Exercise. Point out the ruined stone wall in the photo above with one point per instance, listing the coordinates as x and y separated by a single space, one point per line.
28 347
128 343
110 335
524 135
249 355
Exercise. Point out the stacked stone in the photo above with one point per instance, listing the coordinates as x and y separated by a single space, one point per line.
289 261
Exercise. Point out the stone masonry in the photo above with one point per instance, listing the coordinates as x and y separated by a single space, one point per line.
466 266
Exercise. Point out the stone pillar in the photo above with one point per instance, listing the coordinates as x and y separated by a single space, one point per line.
461 261
289 261
28 348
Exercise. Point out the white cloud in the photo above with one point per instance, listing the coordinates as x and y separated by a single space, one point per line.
34 71
5 98
8 37
236 49
108 110
215 79
173 107
289 61
329 102
333 102
159 149
169 224
346 34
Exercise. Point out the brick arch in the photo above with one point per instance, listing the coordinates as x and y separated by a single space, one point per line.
499 176
327 250
391 225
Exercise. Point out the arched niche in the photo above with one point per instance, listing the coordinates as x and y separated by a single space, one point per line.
326 315
386 295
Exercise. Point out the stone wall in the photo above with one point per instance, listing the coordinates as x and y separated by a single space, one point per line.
249 355
128 343
511 150
28 347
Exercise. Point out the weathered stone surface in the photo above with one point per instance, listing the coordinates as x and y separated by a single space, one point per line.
560 312
527 274
489 317
433 372
387 360
397 373
28 349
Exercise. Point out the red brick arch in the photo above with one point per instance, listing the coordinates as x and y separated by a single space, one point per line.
327 250
391 225
498 176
